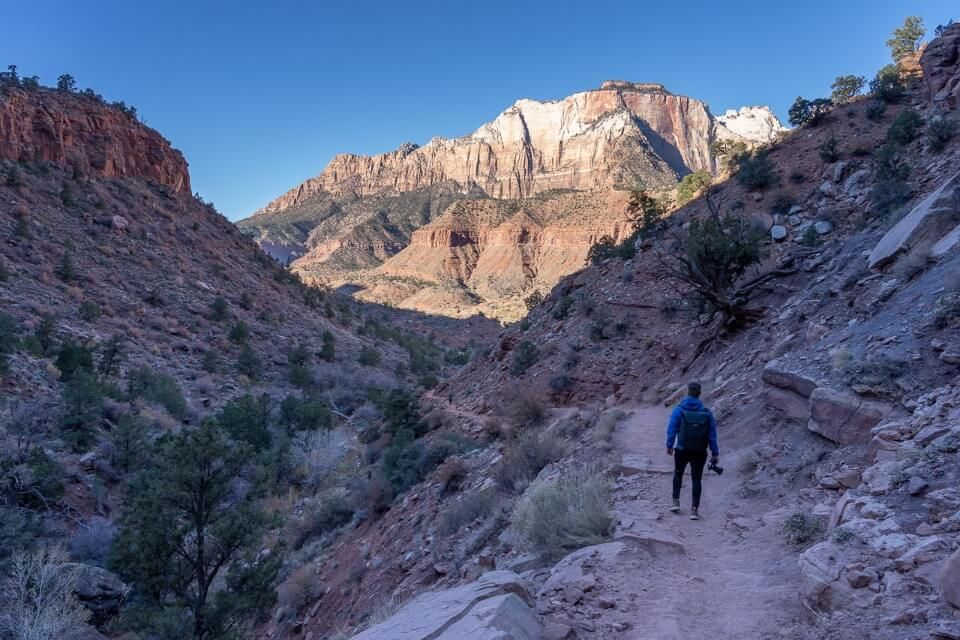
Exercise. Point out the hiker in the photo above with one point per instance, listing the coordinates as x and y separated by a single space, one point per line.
692 429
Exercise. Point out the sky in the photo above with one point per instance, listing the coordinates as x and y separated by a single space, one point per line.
260 95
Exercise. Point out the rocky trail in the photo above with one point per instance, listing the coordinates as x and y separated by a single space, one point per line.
727 575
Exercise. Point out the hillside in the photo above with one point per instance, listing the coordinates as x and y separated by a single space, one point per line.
344 226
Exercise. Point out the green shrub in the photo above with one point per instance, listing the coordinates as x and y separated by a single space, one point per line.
328 351
691 185
130 444
369 357
525 458
239 333
89 311
249 363
890 191
524 356
305 414
533 300
219 309
210 361
527 409
9 340
45 482
428 381
157 387
845 88
875 110
782 203
940 131
907 38
828 150
329 512
886 86
562 309
607 249
800 528
42 341
808 112
754 170
73 357
456 357
905 128
561 516
401 413
247 419
66 271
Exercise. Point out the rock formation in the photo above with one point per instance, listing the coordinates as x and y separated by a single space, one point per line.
82 132
941 72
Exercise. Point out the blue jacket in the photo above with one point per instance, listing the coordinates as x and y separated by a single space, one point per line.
690 404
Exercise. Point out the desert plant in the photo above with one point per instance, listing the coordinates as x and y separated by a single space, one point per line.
328 350
525 458
524 356
89 311
886 86
532 300
9 339
468 508
91 542
940 131
66 271
219 309
129 439
828 150
645 213
557 517
890 190
693 184
905 128
800 528
808 112
875 110
65 82
315 455
82 410
562 309
247 419
845 88
527 409
239 333
157 387
73 357
906 39
754 170
369 357
249 363
38 601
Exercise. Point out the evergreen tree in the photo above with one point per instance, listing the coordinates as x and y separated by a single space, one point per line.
906 39
845 88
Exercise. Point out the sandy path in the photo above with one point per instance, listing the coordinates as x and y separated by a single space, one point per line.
733 578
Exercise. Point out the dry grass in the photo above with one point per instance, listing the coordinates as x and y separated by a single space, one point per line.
524 459
527 410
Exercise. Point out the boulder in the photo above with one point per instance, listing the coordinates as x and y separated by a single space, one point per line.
780 374
844 418
940 62
856 181
823 584
926 224
791 404
822 227
950 580
496 606
778 232
99 591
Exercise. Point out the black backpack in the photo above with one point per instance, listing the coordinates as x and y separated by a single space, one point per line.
694 430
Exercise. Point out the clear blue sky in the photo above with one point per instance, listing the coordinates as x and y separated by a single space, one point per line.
260 95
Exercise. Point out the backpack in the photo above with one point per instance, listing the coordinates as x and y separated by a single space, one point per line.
694 432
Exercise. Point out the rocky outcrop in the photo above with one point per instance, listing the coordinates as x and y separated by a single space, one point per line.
844 418
933 225
100 591
941 68
78 131
622 133
495 607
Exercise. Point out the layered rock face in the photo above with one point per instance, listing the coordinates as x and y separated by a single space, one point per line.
74 130
941 68
619 134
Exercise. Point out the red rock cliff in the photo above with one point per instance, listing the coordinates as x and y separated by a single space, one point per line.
73 130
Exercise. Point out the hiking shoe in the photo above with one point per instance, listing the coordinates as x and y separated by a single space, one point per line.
695 514
676 507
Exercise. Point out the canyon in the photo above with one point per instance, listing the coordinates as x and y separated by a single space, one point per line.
367 222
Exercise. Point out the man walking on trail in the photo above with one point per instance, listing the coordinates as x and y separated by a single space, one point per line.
692 429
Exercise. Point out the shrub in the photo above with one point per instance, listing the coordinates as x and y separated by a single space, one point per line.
239 333
527 409
561 382
469 508
524 356
8 339
940 131
377 494
73 357
808 112
210 361
800 528
331 511
886 86
42 485
66 271
607 249
890 190
562 309
691 185
249 363
369 357
247 419
782 203
754 170
328 351
828 150
532 300
525 458
89 311
842 536
315 455
42 341
299 589
845 88
306 414
38 599
157 387
875 110
129 439
561 516
91 542
219 309
905 128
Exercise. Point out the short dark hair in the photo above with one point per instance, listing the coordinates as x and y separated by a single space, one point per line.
693 388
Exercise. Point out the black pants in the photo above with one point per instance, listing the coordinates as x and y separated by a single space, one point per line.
697 460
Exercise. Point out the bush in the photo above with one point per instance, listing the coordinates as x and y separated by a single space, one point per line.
527 409
691 185
369 357
306 414
91 543
249 363
73 357
890 191
800 528
219 309
754 170
66 271
558 517
328 351
532 300
157 387
886 86
828 150
247 419
89 311
905 128
331 511
875 111
469 508
525 458
299 589
940 131
607 249
42 484
808 112
38 600
8 339
239 333
845 88
524 356
562 309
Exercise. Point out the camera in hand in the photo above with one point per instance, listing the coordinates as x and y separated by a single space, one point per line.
717 469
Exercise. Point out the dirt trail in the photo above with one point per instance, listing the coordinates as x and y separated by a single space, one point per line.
731 579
